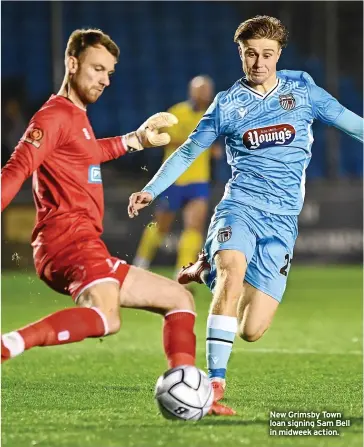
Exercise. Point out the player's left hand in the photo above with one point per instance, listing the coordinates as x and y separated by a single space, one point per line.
148 133
138 201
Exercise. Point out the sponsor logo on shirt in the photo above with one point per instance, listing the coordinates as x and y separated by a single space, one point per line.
269 136
34 136
94 174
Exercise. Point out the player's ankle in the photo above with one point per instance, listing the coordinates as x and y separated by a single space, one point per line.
219 380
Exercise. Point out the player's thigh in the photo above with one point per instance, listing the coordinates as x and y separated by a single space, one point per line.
168 204
195 199
195 213
256 310
146 290
230 265
86 271
164 219
231 241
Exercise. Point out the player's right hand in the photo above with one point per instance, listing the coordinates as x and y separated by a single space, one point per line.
148 133
138 201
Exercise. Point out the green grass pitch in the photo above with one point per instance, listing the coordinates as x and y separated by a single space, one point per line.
100 393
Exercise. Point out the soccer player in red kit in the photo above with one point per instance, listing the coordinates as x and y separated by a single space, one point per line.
61 151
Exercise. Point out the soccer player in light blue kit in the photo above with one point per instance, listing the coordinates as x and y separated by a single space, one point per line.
266 118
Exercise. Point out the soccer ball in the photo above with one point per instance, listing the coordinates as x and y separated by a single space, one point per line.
184 392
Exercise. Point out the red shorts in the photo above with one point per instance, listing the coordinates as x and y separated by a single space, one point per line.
79 265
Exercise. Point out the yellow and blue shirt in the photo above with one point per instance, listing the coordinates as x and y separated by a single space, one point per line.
188 118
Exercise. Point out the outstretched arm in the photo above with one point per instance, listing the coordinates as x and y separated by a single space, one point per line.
351 124
328 110
174 167
168 173
148 135
206 132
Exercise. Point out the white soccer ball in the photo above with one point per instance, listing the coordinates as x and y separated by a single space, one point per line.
184 392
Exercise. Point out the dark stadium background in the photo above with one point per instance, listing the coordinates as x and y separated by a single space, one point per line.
99 394
163 45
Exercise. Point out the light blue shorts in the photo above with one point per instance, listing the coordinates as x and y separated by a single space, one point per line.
266 239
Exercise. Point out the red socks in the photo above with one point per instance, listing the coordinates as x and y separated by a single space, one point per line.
65 326
76 324
179 339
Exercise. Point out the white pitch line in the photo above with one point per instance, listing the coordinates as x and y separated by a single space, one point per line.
201 348
295 351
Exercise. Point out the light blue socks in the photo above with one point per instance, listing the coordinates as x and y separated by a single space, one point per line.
220 336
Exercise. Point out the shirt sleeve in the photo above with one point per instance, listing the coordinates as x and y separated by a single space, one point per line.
43 135
111 148
174 167
351 124
208 129
206 132
325 107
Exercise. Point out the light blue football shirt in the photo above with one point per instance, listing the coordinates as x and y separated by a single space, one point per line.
268 140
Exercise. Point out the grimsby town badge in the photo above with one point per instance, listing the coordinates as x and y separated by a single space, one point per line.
287 102
224 234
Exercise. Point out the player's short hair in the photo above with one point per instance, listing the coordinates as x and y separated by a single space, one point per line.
262 27
81 39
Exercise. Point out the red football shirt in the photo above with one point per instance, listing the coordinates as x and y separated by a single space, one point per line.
60 149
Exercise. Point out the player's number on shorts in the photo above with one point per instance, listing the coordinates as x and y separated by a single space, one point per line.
283 270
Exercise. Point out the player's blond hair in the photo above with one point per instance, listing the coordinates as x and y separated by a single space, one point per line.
81 39
262 27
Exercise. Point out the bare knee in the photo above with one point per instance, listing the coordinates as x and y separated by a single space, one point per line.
194 215
104 297
164 222
230 266
251 329
251 336
182 300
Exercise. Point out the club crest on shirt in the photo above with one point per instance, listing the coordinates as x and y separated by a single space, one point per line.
287 102
224 234
33 136
263 137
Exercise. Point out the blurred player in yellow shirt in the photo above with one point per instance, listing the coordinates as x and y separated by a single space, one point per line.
191 191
